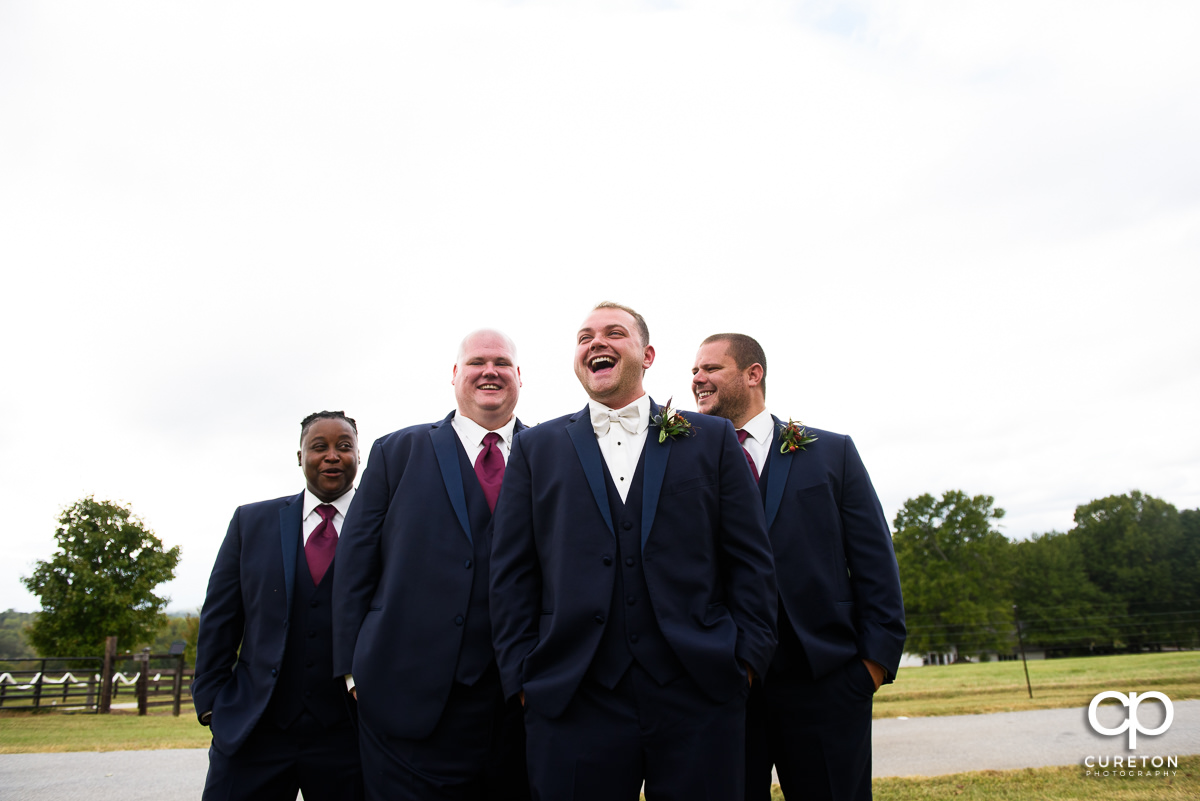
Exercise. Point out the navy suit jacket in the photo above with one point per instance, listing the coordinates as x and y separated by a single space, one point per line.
247 605
403 582
705 554
833 554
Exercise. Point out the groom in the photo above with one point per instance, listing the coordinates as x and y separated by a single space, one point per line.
632 590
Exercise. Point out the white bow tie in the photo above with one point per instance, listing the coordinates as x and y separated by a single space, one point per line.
628 417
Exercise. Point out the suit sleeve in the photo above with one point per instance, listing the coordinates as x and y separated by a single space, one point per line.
515 587
358 559
874 576
747 563
222 623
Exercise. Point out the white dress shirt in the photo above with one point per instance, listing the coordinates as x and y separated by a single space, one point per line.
312 518
621 449
760 429
471 435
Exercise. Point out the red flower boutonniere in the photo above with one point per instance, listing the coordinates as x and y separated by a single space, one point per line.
793 437
671 423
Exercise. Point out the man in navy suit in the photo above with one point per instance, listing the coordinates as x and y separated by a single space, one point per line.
264 658
633 594
412 629
841 617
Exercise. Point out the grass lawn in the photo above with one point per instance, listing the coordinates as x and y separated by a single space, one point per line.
1000 686
1042 783
24 733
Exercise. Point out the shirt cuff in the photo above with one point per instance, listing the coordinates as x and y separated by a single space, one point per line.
349 682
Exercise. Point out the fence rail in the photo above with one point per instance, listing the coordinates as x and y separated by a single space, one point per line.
94 685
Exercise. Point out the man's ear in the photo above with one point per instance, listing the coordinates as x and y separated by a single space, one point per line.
300 458
754 374
647 357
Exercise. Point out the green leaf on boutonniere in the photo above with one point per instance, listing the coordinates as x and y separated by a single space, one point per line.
671 423
793 437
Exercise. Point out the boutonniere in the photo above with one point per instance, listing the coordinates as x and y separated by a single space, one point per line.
793 436
671 423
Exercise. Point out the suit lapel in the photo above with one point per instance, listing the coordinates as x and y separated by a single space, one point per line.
655 468
290 533
777 475
583 437
445 446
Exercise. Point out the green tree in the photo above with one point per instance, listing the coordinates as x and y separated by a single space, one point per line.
1134 546
955 574
1059 606
99 582
184 627
13 644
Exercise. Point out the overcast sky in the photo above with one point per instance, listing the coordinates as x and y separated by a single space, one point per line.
967 234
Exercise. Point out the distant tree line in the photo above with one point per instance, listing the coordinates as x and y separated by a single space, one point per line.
1126 577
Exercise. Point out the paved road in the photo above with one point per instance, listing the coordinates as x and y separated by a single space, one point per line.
918 746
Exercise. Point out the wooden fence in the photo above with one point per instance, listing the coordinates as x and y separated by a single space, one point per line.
95 685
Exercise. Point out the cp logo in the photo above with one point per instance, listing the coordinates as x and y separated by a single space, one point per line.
1131 722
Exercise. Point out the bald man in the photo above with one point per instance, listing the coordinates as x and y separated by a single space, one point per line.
412 628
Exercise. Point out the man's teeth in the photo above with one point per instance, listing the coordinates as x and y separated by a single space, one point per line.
489 386
602 361
704 393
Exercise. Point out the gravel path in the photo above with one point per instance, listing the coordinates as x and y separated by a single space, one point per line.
917 746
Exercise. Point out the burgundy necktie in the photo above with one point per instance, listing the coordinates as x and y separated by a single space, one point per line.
741 435
489 467
321 544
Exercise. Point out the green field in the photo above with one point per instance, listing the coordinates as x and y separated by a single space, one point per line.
24 733
970 689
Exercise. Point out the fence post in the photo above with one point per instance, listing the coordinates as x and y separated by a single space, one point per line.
106 675
143 659
37 686
177 690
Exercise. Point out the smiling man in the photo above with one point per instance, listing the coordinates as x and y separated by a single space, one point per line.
633 594
841 616
264 658
412 629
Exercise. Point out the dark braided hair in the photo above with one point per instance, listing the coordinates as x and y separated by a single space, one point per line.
325 415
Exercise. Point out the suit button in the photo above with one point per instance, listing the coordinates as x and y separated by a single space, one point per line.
308 693
633 638
629 561
274 672
631 600
607 561
311 634
600 619
308 663
467 564
314 604
627 525
458 620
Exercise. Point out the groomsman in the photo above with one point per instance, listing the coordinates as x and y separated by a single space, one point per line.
412 628
633 595
264 659
841 617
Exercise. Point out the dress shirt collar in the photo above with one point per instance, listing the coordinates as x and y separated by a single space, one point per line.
472 432
342 504
643 409
761 427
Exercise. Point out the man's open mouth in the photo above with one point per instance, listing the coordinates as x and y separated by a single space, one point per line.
704 393
602 363
489 386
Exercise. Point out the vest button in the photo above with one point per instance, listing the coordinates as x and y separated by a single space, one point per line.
314 604
629 561
607 561
274 672
627 525
600 619
633 638
308 663
467 564
311 634
458 620
631 600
